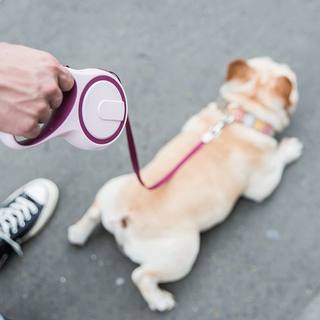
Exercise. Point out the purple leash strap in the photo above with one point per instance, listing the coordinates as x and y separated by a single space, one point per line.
166 178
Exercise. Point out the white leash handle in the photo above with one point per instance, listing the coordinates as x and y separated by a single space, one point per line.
10 141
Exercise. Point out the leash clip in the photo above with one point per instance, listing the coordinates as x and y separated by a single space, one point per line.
215 131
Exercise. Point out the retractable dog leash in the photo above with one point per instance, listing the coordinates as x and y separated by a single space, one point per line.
94 113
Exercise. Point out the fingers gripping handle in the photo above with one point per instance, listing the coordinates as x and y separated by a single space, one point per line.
52 129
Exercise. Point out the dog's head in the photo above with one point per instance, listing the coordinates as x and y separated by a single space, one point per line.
266 88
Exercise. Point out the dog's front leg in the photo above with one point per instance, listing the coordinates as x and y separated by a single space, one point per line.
267 177
290 150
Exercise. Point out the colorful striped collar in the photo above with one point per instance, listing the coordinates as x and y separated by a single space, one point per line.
251 121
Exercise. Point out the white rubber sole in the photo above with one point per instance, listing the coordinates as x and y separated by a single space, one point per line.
48 209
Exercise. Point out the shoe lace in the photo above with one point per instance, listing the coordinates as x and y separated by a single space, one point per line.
13 217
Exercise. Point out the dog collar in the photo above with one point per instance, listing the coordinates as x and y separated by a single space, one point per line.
251 121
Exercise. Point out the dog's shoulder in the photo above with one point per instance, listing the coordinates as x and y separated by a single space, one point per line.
206 116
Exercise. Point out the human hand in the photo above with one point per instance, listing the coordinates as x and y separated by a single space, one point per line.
32 83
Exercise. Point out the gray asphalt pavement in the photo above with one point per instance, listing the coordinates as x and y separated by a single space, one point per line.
263 263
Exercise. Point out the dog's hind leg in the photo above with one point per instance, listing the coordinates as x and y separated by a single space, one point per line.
81 230
167 259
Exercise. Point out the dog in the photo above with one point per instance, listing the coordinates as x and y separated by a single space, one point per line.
160 229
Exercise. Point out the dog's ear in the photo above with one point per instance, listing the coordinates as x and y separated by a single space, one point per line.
283 88
239 70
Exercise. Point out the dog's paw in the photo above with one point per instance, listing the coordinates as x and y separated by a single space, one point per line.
161 301
76 235
291 149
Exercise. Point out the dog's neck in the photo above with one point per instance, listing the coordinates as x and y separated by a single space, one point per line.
240 115
276 117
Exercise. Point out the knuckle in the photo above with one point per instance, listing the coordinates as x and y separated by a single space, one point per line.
28 126
51 63
54 68
51 89
49 58
42 107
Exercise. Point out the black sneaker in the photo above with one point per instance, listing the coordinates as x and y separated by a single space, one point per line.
24 213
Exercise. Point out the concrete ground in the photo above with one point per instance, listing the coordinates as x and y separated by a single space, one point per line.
264 261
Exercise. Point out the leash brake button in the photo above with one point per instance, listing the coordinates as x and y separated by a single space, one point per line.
111 110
